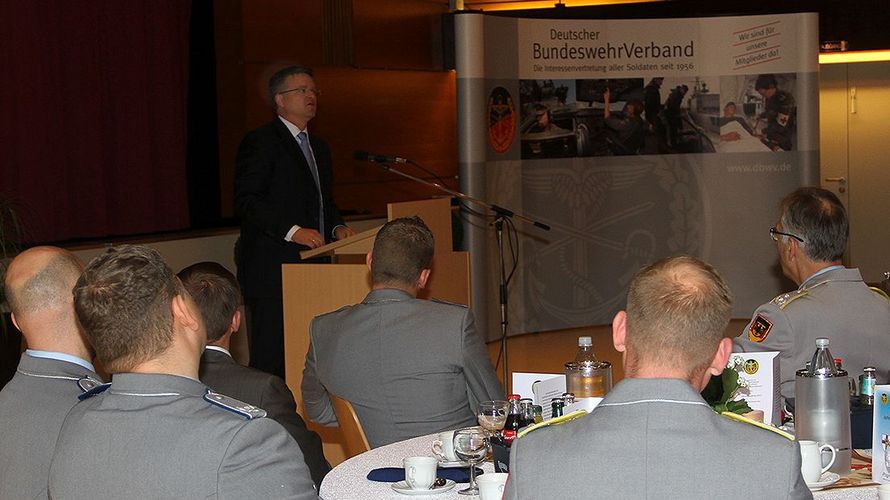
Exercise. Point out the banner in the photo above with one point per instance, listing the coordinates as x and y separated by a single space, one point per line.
634 140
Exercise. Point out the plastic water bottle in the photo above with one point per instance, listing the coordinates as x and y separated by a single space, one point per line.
822 362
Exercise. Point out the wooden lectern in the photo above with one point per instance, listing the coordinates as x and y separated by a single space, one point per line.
313 289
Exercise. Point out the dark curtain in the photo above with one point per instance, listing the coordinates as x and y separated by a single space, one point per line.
93 104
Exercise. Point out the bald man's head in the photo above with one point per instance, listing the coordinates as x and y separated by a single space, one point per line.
39 284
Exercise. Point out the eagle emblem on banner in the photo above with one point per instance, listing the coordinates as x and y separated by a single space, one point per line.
501 120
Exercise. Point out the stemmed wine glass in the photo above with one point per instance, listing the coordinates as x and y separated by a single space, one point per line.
471 446
492 415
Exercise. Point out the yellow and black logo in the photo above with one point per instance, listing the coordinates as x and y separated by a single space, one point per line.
883 398
751 366
759 329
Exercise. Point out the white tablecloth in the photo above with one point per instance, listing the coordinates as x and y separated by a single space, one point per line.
349 480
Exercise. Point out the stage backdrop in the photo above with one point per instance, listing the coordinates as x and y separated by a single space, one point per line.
634 140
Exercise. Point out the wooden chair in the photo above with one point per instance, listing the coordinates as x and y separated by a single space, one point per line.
354 440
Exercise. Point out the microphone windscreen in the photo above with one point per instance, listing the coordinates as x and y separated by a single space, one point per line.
361 155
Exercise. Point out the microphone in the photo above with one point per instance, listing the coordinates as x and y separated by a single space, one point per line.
366 156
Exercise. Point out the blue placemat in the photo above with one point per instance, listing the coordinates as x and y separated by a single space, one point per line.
395 474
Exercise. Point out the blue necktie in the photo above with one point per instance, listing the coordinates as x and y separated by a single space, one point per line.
303 139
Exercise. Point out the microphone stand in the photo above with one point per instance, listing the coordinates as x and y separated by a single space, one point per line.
501 215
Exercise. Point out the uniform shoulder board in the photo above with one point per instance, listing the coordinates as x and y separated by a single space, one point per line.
347 306
783 300
246 410
90 387
880 292
440 301
740 418
87 383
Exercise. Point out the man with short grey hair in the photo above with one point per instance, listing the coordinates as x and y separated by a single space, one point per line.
52 373
831 300
157 431
653 436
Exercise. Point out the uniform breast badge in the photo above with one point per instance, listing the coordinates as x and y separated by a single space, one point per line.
759 329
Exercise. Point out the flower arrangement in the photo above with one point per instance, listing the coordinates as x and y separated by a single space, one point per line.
723 392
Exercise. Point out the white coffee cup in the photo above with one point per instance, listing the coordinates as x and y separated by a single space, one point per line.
811 460
443 446
420 472
884 492
491 485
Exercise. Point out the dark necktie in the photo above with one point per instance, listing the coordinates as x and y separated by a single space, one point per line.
303 139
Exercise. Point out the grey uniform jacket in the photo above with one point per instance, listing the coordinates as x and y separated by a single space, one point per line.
156 436
32 407
408 366
654 439
222 374
836 304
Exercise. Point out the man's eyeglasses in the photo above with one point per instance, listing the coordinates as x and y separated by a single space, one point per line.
774 234
303 91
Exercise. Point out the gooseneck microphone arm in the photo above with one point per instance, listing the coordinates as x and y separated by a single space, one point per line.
501 215
382 161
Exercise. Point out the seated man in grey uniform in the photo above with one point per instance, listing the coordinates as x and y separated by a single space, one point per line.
52 373
156 431
408 366
216 293
831 301
653 436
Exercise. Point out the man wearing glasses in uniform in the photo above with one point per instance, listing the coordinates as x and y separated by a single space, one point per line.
831 300
284 200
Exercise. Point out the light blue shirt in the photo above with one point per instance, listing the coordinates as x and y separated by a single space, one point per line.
61 356
821 271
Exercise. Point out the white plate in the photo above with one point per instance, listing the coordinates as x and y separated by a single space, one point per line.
450 464
826 480
403 488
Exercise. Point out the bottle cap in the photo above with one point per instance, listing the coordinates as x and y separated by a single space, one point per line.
585 342
822 342
511 397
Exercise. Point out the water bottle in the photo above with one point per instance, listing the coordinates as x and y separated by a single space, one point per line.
822 363
822 405
586 376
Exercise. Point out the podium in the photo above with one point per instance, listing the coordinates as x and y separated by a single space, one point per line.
312 289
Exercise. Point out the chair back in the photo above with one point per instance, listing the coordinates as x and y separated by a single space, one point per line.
354 440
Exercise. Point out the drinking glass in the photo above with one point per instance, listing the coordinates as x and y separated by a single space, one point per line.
492 415
471 446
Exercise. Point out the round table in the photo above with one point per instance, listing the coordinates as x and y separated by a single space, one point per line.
349 480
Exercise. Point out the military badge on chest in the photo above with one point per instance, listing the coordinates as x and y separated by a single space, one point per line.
759 329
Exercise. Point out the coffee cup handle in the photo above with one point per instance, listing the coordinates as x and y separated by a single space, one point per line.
437 449
409 476
833 456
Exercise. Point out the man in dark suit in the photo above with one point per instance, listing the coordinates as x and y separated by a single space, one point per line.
52 373
284 199
215 291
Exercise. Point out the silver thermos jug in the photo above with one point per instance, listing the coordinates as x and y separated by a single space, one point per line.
822 406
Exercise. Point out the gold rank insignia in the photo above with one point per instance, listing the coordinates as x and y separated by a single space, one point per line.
783 300
759 329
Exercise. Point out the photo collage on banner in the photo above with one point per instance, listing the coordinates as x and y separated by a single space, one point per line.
657 115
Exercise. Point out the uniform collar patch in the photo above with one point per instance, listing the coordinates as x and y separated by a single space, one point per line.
759 329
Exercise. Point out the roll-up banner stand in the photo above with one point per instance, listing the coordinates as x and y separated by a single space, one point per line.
634 140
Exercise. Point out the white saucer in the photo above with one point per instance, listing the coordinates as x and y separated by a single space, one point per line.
826 480
450 464
403 488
